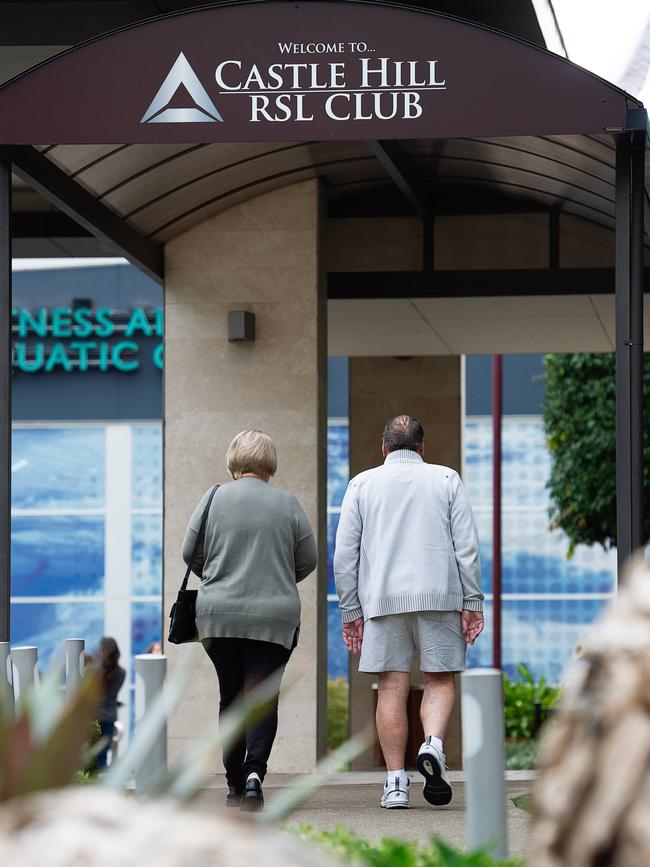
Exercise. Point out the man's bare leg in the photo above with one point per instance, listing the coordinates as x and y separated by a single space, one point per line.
437 702
392 721
437 705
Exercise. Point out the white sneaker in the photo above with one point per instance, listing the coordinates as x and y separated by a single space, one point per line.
396 795
431 764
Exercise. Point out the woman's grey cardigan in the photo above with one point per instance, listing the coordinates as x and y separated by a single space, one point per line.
406 541
258 544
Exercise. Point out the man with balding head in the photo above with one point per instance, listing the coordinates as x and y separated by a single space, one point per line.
408 575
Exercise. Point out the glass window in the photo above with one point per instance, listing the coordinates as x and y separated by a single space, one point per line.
58 468
146 555
534 559
337 654
332 524
525 463
338 461
540 633
338 473
146 625
146 467
48 624
477 469
60 555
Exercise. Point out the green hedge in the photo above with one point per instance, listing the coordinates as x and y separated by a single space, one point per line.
520 696
388 852
338 712
521 755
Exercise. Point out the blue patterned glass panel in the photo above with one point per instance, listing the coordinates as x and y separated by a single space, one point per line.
146 555
338 461
47 625
338 472
332 524
534 557
58 468
540 633
477 468
146 625
526 463
337 654
147 467
534 560
60 555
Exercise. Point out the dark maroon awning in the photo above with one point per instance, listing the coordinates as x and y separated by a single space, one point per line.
302 72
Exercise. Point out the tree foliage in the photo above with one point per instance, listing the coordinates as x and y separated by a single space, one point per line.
580 424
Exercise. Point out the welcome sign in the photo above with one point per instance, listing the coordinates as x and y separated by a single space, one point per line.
283 92
300 72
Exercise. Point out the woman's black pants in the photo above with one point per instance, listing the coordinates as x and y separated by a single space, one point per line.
242 664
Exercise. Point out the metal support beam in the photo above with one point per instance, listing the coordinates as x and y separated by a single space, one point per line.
554 240
428 245
396 164
473 284
5 398
46 224
630 161
388 202
56 186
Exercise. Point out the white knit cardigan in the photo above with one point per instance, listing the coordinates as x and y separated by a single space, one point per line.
406 541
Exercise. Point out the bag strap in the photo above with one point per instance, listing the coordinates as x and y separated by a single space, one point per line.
199 537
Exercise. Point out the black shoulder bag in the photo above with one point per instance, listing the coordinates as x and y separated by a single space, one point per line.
182 628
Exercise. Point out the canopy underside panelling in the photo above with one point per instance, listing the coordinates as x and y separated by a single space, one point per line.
162 190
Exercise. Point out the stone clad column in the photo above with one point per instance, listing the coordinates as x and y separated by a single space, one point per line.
429 388
262 255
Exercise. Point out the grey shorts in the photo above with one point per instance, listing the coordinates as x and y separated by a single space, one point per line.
389 642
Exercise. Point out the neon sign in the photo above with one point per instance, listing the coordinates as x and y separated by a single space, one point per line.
82 338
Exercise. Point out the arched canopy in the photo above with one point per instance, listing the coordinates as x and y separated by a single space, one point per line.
171 120
163 189
289 71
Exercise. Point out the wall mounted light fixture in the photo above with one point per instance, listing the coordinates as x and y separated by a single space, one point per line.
241 326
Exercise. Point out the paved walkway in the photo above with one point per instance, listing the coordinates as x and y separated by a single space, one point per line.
352 800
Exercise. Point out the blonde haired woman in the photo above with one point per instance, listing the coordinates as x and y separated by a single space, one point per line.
257 546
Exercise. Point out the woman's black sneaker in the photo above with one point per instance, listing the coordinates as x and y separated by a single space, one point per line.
253 799
234 796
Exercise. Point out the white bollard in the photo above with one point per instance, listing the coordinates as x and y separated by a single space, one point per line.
24 665
6 679
484 760
150 670
74 665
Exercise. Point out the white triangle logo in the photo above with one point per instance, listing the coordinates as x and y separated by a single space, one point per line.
181 73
